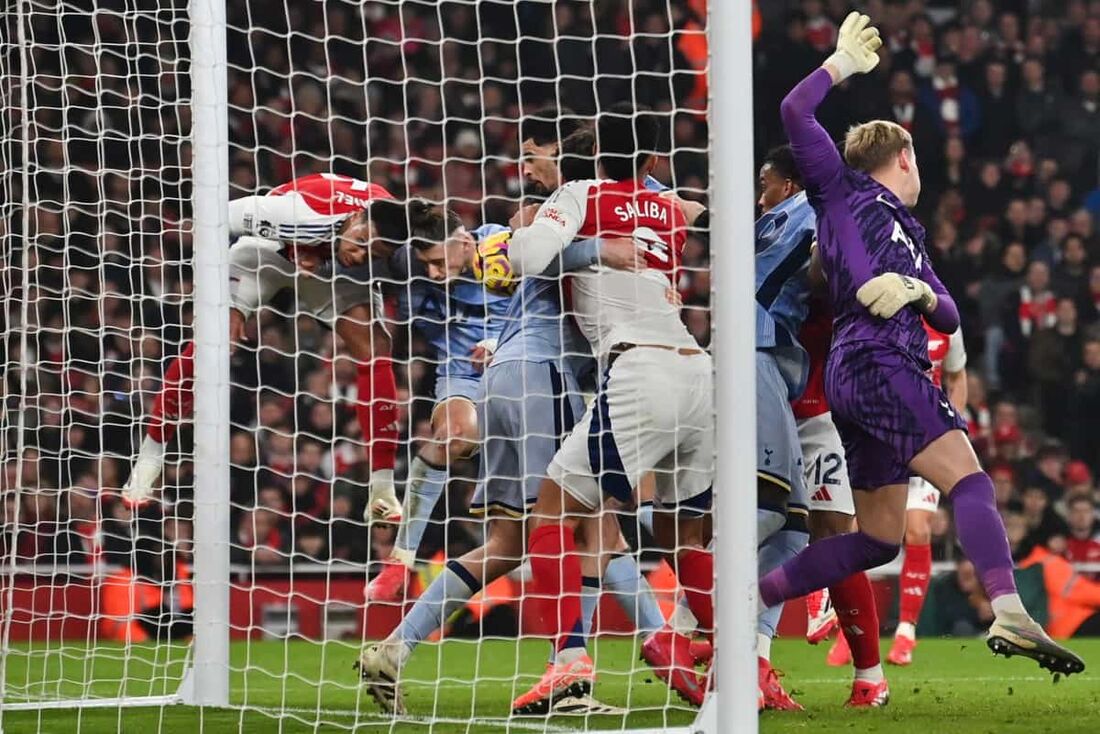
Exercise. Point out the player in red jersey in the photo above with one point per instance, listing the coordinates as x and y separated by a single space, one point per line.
315 235
640 341
832 512
947 353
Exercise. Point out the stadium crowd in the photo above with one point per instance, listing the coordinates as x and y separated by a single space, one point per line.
1003 101
112 240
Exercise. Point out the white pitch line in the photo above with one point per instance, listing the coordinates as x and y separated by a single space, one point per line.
981 679
386 719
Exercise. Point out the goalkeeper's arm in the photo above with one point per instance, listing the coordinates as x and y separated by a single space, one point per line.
813 149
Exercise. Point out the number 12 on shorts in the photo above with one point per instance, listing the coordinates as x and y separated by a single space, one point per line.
824 469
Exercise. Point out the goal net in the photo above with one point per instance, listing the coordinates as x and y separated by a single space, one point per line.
109 602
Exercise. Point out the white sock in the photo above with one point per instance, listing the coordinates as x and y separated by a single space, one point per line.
873 675
1008 604
763 646
907 630
570 654
681 619
382 480
151 449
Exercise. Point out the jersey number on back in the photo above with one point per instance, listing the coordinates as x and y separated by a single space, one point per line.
900 236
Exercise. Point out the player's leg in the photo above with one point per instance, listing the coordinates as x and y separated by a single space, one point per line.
622 577
557 581
853 598
832 513
776 550
454 436
366 340
916 569
685 474
880 515
778 457
949 461
256 273
380 663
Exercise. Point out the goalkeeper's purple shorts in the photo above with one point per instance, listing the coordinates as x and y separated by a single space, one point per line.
886 410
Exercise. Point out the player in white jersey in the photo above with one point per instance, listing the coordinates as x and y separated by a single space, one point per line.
529 398
315 235
653 412
947 353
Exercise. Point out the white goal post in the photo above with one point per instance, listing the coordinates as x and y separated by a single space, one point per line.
117 236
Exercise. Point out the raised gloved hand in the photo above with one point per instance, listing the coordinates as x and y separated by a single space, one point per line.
857 47
886 294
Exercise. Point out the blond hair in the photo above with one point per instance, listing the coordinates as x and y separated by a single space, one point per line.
872 145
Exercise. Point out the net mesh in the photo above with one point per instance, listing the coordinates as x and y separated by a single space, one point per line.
424 99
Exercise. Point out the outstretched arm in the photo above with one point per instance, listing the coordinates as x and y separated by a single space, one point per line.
814 151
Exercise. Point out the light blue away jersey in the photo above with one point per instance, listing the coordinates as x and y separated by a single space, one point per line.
783 239
455 316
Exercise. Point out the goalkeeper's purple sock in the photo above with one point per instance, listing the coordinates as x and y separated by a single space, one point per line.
824 563
982 534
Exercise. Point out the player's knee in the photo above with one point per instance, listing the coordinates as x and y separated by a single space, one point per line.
918 529
877 551
691 531
505 544
826 524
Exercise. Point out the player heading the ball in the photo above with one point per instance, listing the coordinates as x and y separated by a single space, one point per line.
327 238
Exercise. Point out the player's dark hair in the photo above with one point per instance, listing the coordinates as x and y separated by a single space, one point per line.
430 224
549 124
391 220
781 160
626 137
577 160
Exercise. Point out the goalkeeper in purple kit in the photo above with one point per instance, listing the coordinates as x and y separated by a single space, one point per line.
893 421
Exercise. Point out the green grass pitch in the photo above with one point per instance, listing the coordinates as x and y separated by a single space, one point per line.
954 686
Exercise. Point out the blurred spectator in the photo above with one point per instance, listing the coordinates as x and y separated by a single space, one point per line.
954 105
1039 106
1090 308
1081 130
998 112
1044 527
349 537
1083 540
1026 312
1071 276
1052 361
259 539
1086 406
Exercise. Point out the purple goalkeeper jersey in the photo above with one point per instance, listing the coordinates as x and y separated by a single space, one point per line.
863 230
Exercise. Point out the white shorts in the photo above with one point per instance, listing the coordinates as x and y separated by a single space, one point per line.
257 272
922 495
654 412
826 469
